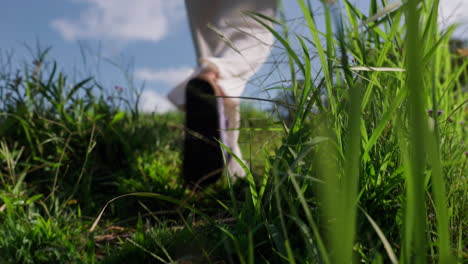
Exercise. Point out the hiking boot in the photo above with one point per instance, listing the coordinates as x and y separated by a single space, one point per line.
203 161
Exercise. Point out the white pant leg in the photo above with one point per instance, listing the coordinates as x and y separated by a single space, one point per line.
237 50
232 43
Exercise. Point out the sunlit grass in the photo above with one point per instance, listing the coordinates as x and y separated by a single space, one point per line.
375 174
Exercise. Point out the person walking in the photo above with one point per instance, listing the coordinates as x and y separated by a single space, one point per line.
230 48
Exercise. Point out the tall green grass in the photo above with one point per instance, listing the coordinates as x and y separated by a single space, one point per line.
365 179
376 149
376 175
64 151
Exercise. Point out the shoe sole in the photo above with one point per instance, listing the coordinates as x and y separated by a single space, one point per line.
203 161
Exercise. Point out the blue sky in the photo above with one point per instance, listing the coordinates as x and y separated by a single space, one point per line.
149 37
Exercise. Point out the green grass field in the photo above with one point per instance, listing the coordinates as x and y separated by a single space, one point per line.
377 175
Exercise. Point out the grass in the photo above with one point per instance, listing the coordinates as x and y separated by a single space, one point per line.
376 175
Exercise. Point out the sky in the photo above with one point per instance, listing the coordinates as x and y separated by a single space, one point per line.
129 43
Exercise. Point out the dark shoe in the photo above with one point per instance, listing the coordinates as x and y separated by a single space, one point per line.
203 157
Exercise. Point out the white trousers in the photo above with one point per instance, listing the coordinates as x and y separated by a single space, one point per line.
233 44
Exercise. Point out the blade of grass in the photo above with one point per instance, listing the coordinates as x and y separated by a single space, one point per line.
149 195
387 246
321 53
415 219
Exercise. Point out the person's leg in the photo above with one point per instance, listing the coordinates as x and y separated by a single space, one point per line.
203 160
230 47
228 41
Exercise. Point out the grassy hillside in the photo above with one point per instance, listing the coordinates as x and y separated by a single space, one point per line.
377 173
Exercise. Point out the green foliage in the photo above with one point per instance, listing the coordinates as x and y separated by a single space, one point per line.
75 144
29 234
376 173
376 146
69 144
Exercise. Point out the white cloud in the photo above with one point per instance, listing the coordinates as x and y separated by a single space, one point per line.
454 11
122 20
170 76
153 102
